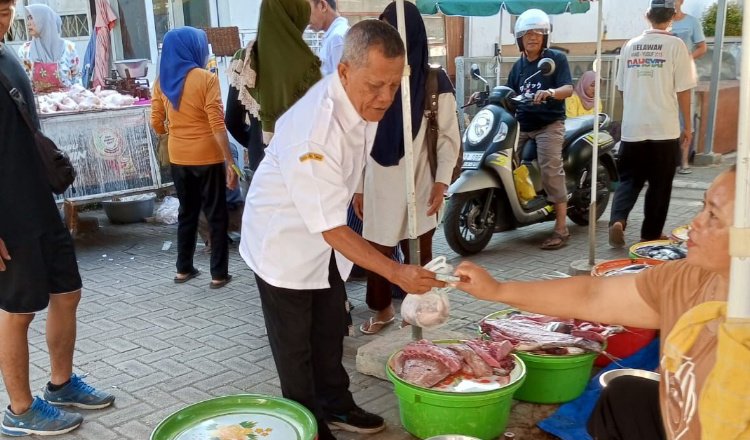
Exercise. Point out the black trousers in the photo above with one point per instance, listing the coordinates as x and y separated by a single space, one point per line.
306 332
202 187
628 409
654 162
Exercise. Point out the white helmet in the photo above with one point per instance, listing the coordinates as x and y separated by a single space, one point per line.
532 20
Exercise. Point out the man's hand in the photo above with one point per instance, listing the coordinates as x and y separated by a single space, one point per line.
476 281
415 279
542 96
231 178
686 139
358 204
437 196
4 255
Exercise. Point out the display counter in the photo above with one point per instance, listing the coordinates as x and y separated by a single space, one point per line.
113 152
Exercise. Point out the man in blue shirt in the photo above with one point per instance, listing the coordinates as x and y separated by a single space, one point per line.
325 17
543 119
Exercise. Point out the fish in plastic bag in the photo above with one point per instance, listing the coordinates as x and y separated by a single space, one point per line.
430 309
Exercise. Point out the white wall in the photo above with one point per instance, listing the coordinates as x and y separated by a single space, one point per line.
623 19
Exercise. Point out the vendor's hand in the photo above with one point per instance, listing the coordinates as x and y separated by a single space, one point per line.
437 196
358 204
4 255
232 180
542 96
415 279
476 281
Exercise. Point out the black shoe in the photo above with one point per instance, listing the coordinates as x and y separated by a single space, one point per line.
356 420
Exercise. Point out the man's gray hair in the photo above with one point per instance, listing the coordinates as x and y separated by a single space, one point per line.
367 34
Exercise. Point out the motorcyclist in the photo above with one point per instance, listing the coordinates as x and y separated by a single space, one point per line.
542 117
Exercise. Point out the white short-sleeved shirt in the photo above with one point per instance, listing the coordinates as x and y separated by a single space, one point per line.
303 187
654 67
332 45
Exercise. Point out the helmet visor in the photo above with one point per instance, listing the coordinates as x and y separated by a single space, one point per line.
540 32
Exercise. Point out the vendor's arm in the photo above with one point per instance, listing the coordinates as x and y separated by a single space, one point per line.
614 300
215 111
158 112
70 65
412 279
4 255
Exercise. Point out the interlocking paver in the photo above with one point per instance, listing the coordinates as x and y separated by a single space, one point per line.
160 346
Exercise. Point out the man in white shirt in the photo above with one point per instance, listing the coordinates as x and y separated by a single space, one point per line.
294 230
325 17
655 76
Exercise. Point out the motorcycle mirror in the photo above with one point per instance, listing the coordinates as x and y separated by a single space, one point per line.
546 66
475 71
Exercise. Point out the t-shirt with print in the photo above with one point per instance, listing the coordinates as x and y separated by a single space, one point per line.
689 30
654 67
535 116
26 201
672 289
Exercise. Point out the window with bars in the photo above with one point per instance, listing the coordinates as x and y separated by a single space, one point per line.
74 25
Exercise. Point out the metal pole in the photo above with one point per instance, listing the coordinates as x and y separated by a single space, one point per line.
739 279
721 18
411 197
595 146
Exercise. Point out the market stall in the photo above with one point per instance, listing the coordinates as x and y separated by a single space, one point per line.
113 151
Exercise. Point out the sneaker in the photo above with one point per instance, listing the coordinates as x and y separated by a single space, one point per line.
41 418
356 420
684 170
617 235
79 394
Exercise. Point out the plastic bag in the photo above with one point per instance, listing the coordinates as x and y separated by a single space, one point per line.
524 187
168 211
431 309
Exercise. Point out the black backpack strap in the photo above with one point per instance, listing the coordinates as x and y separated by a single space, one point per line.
15 95
431 113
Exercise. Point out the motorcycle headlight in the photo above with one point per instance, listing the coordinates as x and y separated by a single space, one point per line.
480 126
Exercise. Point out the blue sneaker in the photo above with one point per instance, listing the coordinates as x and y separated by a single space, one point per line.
79 394
41 418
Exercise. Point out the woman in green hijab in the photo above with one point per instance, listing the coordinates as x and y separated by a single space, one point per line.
278 68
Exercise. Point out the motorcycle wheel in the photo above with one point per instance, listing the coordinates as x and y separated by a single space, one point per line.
578 206
464 230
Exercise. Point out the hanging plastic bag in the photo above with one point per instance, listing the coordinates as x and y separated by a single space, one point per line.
430 309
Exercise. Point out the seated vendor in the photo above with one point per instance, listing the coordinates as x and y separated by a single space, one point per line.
50 61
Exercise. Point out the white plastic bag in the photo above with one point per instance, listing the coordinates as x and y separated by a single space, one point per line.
168 211
431 309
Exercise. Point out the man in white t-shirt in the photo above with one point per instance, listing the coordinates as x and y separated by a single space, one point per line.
325 17
294 232
655 76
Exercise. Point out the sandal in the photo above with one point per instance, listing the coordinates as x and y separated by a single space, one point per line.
218 284
185 277
555 241
374 326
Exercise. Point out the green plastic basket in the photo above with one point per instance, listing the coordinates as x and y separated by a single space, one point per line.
426 413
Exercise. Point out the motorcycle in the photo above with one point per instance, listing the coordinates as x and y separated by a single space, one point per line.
485 200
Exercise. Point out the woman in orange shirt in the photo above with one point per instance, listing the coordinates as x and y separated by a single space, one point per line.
187 98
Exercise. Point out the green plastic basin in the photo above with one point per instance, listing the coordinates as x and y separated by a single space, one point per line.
554 379
426 413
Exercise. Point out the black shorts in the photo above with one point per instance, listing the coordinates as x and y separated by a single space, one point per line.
39 267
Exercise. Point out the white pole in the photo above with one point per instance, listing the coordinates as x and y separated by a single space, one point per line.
739 280
409 174
595 147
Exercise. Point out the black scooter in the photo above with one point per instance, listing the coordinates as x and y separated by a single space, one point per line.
484 199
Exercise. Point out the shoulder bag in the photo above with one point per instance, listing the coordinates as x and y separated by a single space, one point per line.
60 171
